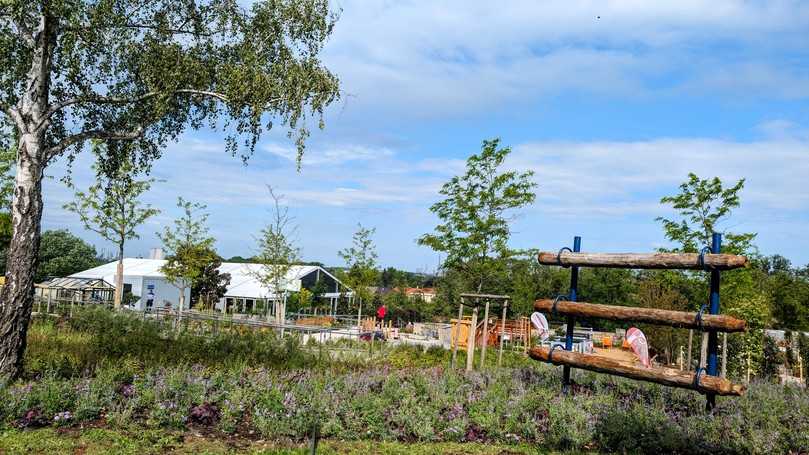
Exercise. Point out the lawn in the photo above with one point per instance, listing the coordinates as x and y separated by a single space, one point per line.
92 441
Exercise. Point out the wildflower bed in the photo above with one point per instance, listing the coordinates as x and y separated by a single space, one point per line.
396 403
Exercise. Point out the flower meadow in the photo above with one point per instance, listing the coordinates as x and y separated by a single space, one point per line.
395 402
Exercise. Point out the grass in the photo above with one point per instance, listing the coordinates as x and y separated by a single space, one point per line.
103 441
95 337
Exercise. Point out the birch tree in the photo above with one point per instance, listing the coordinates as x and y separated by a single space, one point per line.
277 254
144 71
111 209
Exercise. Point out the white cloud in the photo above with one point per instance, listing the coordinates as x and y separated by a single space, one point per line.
592 178
330 155
428 59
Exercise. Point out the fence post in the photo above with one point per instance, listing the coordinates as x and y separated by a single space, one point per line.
456 338
470 344
485 336
571 321
716 248
502 335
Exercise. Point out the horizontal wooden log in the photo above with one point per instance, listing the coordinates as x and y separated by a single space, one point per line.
684 261
665 376
682 319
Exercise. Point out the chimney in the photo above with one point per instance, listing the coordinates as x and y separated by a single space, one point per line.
156 253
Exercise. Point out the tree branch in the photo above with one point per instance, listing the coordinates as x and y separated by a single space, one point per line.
99 99
25 32
92 134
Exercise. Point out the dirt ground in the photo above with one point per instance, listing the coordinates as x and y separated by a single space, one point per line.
616 354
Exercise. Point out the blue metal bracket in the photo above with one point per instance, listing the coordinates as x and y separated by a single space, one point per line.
713 339
571 321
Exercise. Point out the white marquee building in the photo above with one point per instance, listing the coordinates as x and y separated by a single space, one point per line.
143 279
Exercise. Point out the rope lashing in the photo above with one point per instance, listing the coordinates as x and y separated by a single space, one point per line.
701 259
699 316
555 301
550 353
559 256
699 371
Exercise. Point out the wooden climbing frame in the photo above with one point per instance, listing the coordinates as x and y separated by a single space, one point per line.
710 259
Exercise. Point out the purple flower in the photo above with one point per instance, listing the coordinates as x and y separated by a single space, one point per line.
62 416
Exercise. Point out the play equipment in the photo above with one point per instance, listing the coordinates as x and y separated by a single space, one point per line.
637 342
541 323
705 379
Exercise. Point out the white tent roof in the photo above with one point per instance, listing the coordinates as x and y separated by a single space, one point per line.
243 277
132 267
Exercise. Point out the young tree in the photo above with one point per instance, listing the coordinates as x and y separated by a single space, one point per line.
702 206
361 270
277 254
189 248
211 285
111 209
144 71
474 229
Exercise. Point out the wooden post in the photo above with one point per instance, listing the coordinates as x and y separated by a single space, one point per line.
724 355
48 309
685 261
373 334
485 336
652 315
457 335
690 346
748 366
527 335
703 352
502 335
666 376
470 344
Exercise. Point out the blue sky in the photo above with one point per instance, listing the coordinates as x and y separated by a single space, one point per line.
611 103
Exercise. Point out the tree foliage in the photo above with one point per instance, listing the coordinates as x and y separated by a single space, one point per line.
7 162
277 252
62 253
143 70
211 285
111 207
703 204
360 258
188 245
474 229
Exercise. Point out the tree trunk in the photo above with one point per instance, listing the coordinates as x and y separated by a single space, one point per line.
180 307
119 278
17 297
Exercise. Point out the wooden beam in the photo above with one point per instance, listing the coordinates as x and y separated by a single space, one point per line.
665 376
683 319
686 261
